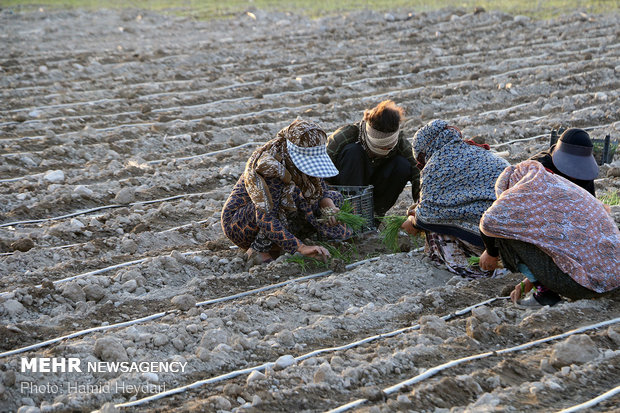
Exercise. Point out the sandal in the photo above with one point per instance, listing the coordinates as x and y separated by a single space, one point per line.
540 298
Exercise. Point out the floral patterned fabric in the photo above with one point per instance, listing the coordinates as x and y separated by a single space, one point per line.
248 226
457 181
560 218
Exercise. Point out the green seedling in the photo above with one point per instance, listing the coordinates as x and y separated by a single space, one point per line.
417 240
305 262
347 217
298 259
389 234
348 253
611 198
598 148
474 261
317 262
333 251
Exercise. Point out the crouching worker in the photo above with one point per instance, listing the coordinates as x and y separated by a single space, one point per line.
280 195
457 186
571 158
554 232
375 152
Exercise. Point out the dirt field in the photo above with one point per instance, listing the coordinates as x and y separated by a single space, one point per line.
111 186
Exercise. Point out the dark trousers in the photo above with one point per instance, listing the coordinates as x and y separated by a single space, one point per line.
388 177
542 266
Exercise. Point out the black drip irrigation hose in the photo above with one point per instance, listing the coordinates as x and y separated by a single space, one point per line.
100 208
431 372
264 366
162 314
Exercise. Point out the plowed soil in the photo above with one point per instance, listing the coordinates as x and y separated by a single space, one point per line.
112 182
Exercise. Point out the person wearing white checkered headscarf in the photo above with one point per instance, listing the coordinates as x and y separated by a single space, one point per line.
282 185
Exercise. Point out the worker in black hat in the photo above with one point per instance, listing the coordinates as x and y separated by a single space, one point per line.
572 159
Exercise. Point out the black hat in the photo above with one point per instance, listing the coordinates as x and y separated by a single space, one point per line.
573 155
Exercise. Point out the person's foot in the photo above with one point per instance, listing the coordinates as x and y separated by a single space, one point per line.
547 297
257 257
528 302
539 299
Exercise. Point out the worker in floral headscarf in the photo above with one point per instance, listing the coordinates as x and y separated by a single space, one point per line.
281 195
457 181
554 232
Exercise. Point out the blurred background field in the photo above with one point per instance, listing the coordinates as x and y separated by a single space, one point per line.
230 8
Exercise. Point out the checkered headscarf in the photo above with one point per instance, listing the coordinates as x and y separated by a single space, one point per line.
273 160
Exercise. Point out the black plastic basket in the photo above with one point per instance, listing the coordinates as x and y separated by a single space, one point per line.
604 150
360 198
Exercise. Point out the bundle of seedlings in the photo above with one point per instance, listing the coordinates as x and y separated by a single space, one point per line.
346 216
390 231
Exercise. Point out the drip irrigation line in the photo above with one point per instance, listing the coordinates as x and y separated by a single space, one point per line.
60 247
154 95
100 271
205 154
283 283
395 332
264 366
182 226
210 154
88 211
432 371
588 128
286 93
73 214
271 110
68 118
84 332
154 162
141 98
162 314
215 102
593 402
600 34
19 178
64 105
95 272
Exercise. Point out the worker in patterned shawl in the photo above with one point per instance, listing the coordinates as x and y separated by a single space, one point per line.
375 152
456 187
281 196
554 232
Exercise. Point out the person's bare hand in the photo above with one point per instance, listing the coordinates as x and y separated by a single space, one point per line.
487 262
329 215
411 210
327 203
314 251
329 211
408 226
